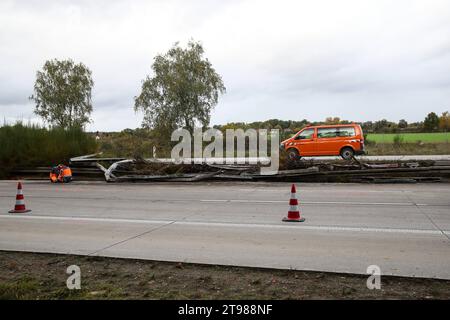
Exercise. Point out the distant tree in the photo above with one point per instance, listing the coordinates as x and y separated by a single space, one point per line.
431 122
285 124
278 127
331 120
367 126
380 125
62 93
444 121
402 124
416 126
183 90
297 125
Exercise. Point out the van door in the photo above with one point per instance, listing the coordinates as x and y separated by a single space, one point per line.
328 141
305 142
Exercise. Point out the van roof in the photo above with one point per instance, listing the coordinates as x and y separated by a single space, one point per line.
332 125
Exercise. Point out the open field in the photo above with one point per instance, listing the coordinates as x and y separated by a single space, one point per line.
435 137
381 149
42 276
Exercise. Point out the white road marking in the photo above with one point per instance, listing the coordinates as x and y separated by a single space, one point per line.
291 226
315 202
87 219
359 203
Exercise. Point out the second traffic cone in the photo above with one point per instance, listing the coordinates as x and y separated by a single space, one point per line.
20 201
294 211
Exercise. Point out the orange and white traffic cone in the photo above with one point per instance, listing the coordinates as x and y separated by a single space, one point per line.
20 201
294 211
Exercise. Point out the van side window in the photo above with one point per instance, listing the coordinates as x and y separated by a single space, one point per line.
346 132
327 133
306 134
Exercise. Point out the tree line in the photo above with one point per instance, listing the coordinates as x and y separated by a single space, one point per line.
431 123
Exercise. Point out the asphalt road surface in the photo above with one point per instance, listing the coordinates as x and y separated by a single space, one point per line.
402 228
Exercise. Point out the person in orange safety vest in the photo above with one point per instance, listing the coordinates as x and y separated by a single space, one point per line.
61 173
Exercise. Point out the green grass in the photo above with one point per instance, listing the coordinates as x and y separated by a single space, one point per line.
21 289
378 149
32 145
435 137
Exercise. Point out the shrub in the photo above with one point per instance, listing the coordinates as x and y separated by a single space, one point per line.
31 145
398 140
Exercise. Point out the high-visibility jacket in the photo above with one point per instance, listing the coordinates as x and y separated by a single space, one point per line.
65 174
61 173
53 177
54 173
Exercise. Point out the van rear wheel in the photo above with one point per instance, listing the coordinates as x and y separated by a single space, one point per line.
347 153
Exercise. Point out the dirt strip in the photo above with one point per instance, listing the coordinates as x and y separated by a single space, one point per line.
43 276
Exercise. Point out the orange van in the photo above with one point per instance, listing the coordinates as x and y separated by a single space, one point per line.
345 140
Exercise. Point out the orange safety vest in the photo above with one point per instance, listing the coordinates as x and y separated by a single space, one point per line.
53 177
65 174
61 174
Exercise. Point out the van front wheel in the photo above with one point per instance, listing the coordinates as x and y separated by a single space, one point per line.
293 154
347 153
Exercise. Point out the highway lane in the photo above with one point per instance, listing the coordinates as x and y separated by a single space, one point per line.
402 228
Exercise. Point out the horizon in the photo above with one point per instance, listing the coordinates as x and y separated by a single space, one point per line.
310 122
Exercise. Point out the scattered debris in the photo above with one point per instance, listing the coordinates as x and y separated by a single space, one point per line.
304 170
412 164
382 165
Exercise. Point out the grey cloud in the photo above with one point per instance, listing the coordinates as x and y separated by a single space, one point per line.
279 59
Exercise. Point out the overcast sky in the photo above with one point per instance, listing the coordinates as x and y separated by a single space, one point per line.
354 59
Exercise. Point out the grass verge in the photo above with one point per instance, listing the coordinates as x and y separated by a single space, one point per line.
43 276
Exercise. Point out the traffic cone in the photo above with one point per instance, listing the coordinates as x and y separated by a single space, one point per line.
20 201
294 211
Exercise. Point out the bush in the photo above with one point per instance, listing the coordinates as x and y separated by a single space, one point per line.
398 140
368 142
132 143
32 145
